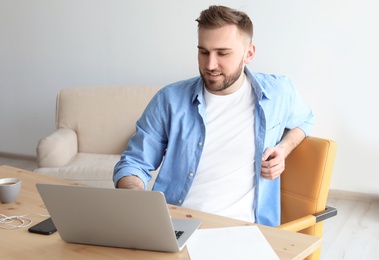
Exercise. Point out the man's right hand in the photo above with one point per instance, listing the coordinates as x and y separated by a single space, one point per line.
131 182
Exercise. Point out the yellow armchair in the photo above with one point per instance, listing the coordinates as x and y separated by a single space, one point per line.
305 186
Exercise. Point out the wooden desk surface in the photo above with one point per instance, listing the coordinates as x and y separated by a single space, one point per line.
20 244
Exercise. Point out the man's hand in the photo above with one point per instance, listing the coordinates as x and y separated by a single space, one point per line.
273 159
273 162
131 182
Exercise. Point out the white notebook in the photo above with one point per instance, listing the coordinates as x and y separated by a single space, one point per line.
237 243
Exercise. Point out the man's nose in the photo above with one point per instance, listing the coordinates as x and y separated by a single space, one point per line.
212 62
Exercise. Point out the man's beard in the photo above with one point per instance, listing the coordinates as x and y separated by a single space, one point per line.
212 85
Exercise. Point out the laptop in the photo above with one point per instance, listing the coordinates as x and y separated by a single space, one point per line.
123 218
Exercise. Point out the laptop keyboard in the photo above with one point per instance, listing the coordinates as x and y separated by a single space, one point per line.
178 234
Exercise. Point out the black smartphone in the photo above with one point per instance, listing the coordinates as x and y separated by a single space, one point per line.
45 227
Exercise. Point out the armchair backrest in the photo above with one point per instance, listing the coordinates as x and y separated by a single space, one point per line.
306 180
103 117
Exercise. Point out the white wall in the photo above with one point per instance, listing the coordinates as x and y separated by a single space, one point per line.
328 48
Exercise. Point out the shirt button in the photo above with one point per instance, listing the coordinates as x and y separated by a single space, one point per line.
200 143
180 201
191 174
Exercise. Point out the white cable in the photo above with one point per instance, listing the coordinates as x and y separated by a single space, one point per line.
7 222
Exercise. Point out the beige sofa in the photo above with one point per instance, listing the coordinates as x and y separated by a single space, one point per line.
94 125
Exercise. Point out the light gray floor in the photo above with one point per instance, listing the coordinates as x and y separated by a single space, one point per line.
352 234
26 164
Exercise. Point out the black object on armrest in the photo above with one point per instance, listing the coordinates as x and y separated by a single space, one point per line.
325 214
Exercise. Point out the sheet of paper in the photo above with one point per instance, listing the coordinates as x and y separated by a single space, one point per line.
237 243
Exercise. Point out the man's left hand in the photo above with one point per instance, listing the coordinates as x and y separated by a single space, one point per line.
273 163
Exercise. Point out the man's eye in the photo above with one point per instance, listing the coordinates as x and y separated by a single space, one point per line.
223 53
204 52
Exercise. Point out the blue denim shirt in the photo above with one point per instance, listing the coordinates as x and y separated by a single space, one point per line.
172 129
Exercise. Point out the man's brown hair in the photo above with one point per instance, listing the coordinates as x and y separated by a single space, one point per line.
217 16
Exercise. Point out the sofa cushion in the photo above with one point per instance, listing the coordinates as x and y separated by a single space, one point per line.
103 117
90 169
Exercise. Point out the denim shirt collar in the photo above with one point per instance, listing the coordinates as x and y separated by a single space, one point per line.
258 88
257 85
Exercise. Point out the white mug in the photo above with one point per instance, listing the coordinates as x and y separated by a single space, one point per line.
9 189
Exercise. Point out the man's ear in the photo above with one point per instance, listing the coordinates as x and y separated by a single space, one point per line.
250 52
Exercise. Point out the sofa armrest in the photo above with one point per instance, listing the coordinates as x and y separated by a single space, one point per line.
309 220
57 149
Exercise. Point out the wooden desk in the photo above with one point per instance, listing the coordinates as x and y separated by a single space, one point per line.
20 244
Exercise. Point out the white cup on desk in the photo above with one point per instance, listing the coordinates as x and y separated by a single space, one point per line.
9 189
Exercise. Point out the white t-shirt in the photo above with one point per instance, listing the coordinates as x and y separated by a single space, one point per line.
224 183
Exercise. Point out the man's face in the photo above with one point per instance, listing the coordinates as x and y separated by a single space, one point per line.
223 52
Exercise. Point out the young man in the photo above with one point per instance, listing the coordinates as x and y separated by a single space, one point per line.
222 137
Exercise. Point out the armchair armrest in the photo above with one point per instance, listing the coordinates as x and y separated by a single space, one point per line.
57 149
309 220
325 214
